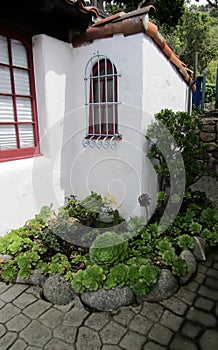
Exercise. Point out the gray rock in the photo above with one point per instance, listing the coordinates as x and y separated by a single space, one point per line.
36 278
164 288
191 266
5 258
107 300
199 250
57 290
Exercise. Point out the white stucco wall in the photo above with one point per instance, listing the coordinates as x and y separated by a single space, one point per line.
148 83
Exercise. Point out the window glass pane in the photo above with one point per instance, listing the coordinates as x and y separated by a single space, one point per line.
24 109
26 135
6 109
8 138
22 84
5 80
19 54
4 50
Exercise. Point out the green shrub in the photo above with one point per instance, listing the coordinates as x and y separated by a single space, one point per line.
108 250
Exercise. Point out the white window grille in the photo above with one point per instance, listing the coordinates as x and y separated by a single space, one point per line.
101 99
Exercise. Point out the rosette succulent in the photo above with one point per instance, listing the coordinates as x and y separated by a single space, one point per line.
108 250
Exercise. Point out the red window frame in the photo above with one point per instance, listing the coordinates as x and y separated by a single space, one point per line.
104 75
20 153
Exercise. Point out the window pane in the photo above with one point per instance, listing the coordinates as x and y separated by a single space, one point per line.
24 109
4 50
6 109
7 137
22 84
26 135
19 54
5 80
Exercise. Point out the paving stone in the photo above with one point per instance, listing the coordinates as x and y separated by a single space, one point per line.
13 292
19 345
2 330
124 316
24 300
215 265
18 323
76 316
216 310
32 348
171 321
52 318
88 339
36 309
160 334
7 340
34 290
65 308
140 324
186 295
212 273
133 340
97 320
135 308
176 305
192 286
199 278
8 312
56 344
4 287
191 330
208 262
211 283
209 340
153 311
36 334
110 347
180 343
112 333
2 303
66 333
201 317
208 293
153 346
202 268
203 303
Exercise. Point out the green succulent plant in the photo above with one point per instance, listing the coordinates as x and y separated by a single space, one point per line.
141 278
118 276
185 241
108 250
90 279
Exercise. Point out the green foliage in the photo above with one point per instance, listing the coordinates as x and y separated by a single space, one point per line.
15 241
142 277
185 241
59 264
108 249
118 276
90 279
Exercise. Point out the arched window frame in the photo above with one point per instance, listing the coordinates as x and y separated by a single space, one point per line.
101 99
23 148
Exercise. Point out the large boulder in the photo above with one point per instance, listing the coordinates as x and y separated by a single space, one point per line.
57 290
191 266
37 278
164 288
200 248
107 300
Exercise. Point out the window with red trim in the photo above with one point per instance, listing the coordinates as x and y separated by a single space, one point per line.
18 119
102 97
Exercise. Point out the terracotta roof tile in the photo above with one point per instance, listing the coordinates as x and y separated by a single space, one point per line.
132 23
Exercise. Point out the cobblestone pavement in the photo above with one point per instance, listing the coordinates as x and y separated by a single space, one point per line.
186 321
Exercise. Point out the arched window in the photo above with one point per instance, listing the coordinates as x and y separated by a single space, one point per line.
101 98
18 120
